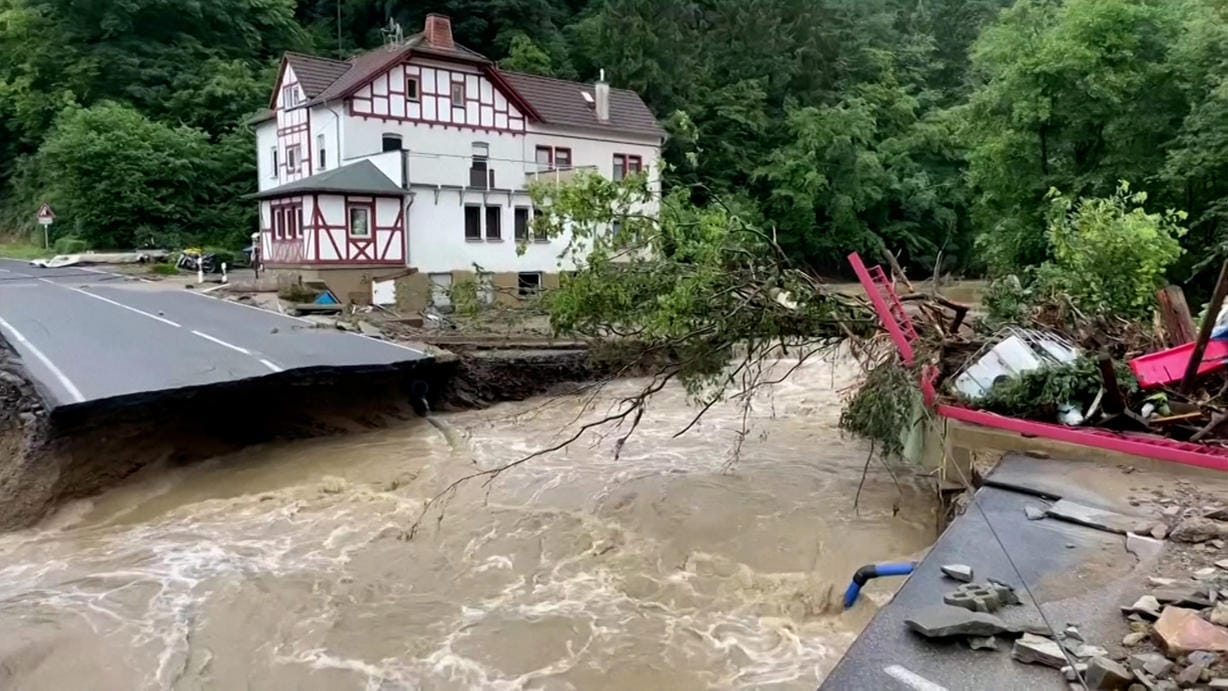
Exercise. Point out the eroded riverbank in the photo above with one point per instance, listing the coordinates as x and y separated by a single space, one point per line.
287 565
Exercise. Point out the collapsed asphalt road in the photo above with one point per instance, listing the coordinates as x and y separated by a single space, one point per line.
86 335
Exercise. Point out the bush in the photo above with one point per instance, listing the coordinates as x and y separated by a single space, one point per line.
70 245
1109 254
164 269
221 256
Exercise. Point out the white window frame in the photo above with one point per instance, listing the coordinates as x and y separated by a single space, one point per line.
350 208
413 79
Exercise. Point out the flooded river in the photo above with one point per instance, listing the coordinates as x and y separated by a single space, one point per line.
287 566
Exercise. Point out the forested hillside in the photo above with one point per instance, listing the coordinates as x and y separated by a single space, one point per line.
937 126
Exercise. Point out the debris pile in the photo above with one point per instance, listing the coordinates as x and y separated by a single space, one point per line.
1177 640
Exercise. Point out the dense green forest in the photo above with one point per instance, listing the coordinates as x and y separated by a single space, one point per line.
936 127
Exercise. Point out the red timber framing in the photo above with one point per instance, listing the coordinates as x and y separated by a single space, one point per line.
489 104
330 240
284 237
293 130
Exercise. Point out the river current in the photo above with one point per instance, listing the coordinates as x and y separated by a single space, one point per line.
289 566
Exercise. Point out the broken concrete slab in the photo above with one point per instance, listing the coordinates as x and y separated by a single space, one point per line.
974 596
1006 592
1146 605
1103 673
1180 631
1076 672
942 621
1154 664
959 572
1160 582
1073 632
1033 649
1143 547
1034 513
1090 516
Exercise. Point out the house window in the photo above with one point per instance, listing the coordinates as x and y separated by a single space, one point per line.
391 142
278 221
473 222
360 221
562 158
441 290
273 157
289 97
528 283
478 170
625 164
458 94
323 154
411 89
494 227
545 158
521 224
538 235
292 159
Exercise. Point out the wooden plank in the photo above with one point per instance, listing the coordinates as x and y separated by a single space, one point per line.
1175 313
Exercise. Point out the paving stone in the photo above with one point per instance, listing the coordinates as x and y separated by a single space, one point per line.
1034 513
1219 615
1154 664
1032 649
1082 514
1182 594
1146 605
976 597
1181 631
959 572
1104 674
941 621
982 642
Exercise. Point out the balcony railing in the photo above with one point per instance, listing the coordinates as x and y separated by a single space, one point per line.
557 175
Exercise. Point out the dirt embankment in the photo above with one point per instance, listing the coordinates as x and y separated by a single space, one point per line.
48 459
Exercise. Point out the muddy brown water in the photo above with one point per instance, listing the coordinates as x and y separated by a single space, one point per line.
286 566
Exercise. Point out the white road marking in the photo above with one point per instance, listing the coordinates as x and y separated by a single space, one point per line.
239 349
912 679
59 375
143 313
251 307
220 342
4 271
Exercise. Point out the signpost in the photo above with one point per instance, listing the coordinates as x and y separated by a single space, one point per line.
45 218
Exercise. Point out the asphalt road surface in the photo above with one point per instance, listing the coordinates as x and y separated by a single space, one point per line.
87 335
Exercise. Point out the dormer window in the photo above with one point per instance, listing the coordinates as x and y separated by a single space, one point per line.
411 89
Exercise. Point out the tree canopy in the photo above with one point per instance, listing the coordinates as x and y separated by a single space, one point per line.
935 128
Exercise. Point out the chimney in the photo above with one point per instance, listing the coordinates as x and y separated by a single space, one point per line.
602 93
438 31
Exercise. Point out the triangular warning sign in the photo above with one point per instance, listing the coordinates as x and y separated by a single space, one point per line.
45 211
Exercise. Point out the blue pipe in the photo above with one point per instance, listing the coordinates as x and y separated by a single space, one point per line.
865 573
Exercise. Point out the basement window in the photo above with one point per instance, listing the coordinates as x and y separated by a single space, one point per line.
528 283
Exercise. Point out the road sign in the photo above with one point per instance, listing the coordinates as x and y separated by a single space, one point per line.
45 214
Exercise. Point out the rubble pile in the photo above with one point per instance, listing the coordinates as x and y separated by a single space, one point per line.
1178 636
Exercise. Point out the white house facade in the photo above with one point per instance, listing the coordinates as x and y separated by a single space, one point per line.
417 156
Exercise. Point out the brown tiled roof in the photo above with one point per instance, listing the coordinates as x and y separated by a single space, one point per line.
555 101
316 73
560 103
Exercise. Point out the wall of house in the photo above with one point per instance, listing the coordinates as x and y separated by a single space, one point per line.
324 237
293 130
266 141
484 106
